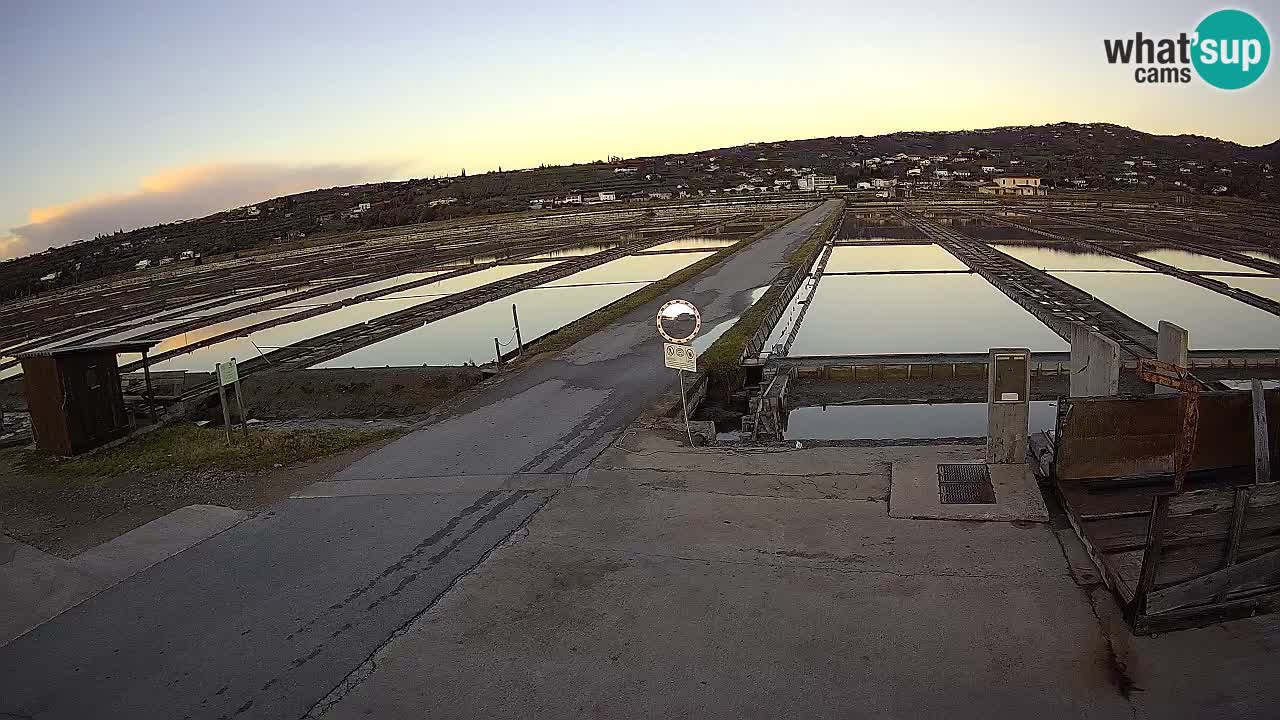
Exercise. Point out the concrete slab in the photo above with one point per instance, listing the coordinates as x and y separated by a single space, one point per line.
618 603
35 586
158 540
914 494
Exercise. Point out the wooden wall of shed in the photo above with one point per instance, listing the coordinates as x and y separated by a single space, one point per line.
42 386
94 405
1120 436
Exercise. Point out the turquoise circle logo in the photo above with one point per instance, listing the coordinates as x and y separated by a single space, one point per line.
1232 49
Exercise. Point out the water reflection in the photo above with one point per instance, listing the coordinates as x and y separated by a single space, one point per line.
694 243
865 258
1066 258
1266 286
578 251
943 313
468 336
1194 262
1263 255
893 422
708 335
1213 321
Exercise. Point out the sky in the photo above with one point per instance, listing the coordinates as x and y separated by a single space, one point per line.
124 114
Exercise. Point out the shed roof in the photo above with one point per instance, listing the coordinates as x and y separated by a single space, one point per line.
127 346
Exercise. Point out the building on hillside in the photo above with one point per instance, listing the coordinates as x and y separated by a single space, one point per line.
1014 185
816 183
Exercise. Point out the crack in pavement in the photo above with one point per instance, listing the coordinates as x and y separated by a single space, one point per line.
750 563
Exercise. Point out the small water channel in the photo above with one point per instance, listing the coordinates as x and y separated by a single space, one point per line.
905 422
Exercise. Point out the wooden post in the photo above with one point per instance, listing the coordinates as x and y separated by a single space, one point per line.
1261 439
151 396
244 421
519 340
222 398
497 350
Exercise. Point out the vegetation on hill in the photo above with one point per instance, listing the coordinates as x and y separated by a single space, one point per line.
1094 156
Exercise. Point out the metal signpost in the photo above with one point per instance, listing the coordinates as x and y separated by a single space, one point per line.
228 374
679 322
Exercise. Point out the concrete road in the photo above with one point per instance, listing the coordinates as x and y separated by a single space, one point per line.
265 619
722 584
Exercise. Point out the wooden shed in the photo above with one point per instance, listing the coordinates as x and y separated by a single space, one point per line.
74 396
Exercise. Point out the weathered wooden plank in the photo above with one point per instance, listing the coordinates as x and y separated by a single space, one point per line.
1151 557
1237 531
1261 435
1122 589
1202 589
1129 533
1208 501
1263 601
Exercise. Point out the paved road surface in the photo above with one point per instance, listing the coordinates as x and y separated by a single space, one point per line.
265 619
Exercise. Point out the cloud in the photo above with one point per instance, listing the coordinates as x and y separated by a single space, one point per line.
176 194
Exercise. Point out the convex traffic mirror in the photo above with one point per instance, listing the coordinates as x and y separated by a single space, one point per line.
679 321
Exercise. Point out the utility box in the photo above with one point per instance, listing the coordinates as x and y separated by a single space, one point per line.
74 396
1008 404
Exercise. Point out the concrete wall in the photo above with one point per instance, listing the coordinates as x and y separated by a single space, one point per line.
1171 347
1095 363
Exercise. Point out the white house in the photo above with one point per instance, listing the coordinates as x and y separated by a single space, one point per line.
913 172
142 265
1018 185
572 199
608 195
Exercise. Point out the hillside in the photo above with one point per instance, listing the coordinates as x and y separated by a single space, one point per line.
1095 156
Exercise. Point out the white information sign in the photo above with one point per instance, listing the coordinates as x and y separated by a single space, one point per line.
227 373
680 357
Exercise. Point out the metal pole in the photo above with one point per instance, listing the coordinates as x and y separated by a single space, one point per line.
684 401
222 398
519 340
497 350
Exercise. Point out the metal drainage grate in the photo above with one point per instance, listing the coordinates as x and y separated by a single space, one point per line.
965 484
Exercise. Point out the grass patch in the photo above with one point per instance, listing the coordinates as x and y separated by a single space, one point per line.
187 447
607 315
721 360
